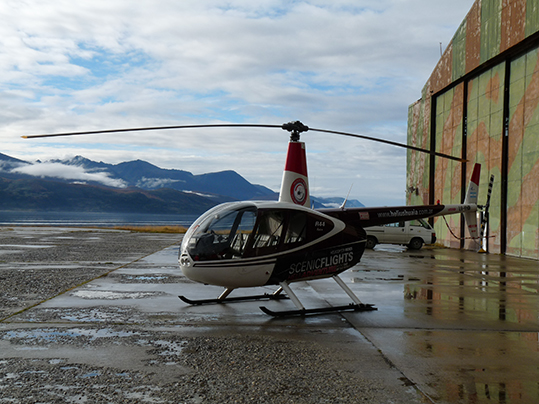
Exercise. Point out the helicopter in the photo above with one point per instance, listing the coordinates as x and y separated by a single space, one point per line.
249 244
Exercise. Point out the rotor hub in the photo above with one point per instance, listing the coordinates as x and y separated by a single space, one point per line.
295 128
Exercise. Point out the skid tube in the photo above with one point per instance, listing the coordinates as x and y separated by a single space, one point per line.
302 311
320 310
224 299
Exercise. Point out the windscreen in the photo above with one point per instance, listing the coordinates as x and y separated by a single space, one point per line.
222 235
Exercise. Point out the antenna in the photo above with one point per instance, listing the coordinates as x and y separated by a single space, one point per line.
346 199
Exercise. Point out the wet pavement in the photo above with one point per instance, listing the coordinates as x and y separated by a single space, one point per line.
451 327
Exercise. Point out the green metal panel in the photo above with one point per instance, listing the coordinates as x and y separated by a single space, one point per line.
473 107
484 138
532 17
417 163
449 141
523 172
459 52
491 17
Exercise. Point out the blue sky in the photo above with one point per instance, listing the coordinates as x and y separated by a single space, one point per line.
343 65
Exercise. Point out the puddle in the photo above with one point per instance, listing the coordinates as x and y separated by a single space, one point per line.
145 278
26 246
390 248
98 315
55 335
113 295
482 367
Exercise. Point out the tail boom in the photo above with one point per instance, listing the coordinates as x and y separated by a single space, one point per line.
367 217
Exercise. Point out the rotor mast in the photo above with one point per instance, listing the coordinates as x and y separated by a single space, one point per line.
295 183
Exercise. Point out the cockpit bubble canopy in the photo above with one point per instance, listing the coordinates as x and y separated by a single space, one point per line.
246 230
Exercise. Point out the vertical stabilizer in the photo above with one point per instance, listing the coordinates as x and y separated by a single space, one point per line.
471 199
295 184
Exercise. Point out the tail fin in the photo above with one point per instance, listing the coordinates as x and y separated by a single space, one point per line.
295 184
470 216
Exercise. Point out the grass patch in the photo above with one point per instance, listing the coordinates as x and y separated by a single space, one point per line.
153 229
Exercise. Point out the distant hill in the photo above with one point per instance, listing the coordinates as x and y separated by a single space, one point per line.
45 195
80 184
144 175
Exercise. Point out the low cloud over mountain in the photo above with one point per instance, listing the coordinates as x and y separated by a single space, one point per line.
68 172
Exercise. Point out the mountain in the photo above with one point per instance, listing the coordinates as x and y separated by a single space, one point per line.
143 175
8 163
80 184
45 195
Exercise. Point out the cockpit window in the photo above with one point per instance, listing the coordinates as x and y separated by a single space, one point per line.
284 229
232 232
245 228
270 229
223 235
297 228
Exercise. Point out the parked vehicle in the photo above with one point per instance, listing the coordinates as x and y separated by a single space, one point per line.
412 234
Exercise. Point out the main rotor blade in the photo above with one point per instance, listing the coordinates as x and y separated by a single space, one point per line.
248 125
391 143
216 125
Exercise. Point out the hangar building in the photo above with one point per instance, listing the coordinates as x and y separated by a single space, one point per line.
482 103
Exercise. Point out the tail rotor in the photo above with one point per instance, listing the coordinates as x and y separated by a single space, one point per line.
485 218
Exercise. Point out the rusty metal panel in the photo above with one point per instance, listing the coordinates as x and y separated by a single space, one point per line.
473 37
513 23
442 77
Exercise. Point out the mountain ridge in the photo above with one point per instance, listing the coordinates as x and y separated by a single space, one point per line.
132 186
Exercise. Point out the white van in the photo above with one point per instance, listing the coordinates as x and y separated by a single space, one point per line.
413 234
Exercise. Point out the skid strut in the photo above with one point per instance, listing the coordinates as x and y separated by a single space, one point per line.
223 298
302 311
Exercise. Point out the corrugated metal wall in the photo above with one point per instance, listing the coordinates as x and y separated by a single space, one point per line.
481 102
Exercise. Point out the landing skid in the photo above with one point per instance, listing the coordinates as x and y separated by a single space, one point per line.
277 295
304 312
224 299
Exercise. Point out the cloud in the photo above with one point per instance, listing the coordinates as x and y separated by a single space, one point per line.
68 172
344 65
153 183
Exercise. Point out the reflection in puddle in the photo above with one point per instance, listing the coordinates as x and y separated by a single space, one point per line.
471 319
483 295
483 367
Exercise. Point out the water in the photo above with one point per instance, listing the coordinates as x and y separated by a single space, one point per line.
83 219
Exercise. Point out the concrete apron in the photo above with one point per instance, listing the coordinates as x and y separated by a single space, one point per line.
451 326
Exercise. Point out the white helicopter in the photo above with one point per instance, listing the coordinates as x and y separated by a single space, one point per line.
264 243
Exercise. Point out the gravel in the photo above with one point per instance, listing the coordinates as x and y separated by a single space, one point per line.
233 369
118 354
37 263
